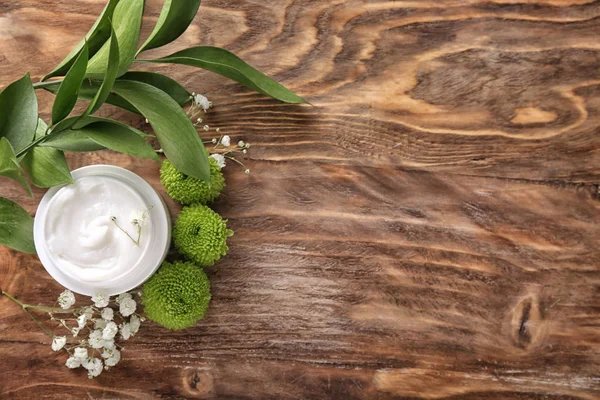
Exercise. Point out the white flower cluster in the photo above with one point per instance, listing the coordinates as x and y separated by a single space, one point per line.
220 159
201 102
66 299
140 217
102 323
225 141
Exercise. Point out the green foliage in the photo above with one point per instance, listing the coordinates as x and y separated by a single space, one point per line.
89 89
126 21
112 69
9 166
162 82
19 113
200 235
95 39
66 97
174 19
176 133
72 142
231 66
177 296
189 190
46 167
106 134
16 227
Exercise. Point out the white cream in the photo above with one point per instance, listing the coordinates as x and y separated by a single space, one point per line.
82 239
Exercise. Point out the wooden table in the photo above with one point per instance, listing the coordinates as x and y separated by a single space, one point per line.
430 229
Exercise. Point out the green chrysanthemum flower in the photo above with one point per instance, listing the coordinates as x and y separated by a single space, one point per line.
200 235
189 190
177 296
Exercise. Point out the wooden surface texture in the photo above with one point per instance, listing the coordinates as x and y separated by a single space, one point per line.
429 230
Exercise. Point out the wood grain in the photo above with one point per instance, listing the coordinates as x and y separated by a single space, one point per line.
430 229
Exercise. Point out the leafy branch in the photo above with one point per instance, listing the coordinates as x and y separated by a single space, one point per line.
97 70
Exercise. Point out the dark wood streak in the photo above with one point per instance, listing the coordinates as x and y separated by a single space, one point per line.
430 229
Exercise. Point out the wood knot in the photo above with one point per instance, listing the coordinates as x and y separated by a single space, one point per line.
198 384
528 327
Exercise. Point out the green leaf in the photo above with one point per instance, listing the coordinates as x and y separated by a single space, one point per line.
76 144
162 82
66 97
108 134
127 20
95 38
176 133
9 166
112 68
16 227
231 66
89 89
46 166
174 19
18 113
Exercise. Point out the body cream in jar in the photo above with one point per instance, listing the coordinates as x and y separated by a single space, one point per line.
107 232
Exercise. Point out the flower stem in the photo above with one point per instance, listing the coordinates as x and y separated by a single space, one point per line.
42 85
235 160
25 308
137 242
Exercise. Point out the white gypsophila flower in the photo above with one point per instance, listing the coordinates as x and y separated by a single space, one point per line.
88 312
75 331
107 314
126 331
139 217
114 360
107 352
95 339
80 353
226 141
220 159
127 307
123 296
94 367
100 300
241 143
58 342
202 101
81 321
134 324
100 324
66 299
111 357
110 331
109 344
73 362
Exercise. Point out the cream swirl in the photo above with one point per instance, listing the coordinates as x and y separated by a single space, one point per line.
82 234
